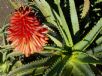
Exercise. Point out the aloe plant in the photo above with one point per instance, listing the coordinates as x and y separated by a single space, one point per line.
66 56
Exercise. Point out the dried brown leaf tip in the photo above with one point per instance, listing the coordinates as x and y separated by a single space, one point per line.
86 8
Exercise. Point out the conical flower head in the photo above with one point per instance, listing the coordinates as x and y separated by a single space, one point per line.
25 32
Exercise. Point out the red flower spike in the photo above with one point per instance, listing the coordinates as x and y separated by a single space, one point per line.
25 32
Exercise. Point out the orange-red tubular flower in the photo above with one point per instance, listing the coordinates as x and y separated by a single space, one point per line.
25 32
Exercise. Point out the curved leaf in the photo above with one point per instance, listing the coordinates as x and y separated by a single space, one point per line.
88 39
67 71
46 10
85 58
35 64
57 67
52 71
56 41
81 69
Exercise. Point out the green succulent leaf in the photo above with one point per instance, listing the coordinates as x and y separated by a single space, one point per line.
35 72
53 48
98 1
74 17
57 1
81 69
99 40
67 69
35 64
4 67
3 28
65 26
52 71
45 8
16 65
85 58
88 39
57 67
56 41
61 30
96 51
13 54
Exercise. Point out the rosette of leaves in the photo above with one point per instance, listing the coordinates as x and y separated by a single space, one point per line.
70 54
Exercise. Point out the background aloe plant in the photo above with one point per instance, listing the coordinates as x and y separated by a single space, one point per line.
75 45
